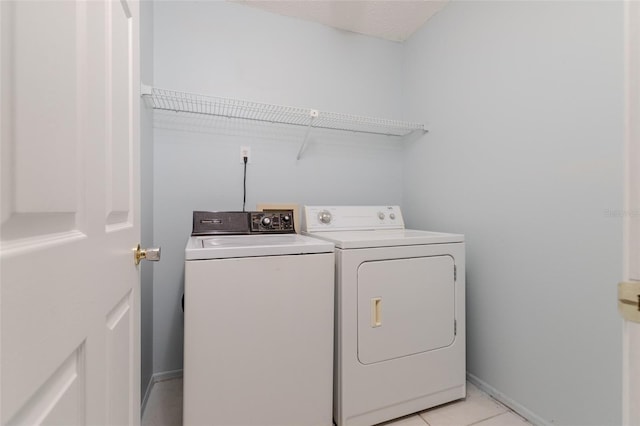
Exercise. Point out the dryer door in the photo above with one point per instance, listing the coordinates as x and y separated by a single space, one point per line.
405 307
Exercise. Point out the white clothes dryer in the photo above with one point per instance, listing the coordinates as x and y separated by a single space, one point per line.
258 335
400 313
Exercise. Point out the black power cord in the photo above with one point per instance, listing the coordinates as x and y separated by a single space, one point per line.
244 195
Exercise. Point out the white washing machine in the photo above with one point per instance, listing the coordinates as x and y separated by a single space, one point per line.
258 338
400 313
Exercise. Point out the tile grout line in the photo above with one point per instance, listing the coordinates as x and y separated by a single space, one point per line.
490 417
424 420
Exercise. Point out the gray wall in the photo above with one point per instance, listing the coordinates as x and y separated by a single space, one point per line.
525 104
146 196
230 50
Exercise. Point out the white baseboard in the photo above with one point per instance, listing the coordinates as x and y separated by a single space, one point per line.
157 377
515 406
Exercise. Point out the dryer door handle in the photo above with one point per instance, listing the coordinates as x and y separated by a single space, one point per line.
376 312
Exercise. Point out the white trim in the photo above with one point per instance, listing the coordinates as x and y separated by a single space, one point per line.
155 378
510 403
626 348
631 250
626 228
631 269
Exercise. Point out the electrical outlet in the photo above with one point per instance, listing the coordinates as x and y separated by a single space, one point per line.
245 151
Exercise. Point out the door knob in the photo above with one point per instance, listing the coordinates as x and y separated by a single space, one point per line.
152 254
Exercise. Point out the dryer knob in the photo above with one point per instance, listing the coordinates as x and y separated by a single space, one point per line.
266 221
324 217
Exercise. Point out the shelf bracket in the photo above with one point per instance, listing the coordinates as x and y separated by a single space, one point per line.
414 135
312 115
145 90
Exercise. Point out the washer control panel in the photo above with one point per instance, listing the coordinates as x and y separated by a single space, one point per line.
351 218
243 223
272 222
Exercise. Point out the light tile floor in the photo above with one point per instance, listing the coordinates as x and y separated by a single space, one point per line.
164 408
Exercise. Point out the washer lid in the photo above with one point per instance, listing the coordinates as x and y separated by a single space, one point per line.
386 238
226 246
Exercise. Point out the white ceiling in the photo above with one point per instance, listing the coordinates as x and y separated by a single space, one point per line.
389 19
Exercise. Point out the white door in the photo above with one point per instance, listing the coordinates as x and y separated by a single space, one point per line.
631 330
69 347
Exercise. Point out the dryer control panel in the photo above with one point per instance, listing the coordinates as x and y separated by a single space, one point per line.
351 218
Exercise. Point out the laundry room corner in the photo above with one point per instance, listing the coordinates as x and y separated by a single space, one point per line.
525 157
369 212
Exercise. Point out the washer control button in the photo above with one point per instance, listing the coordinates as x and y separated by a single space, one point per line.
380 215
324 217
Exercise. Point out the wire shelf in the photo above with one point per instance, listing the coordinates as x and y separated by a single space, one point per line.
171 100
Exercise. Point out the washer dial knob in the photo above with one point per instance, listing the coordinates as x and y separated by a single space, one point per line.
286 218
380 215
392 216
324 217
266 221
